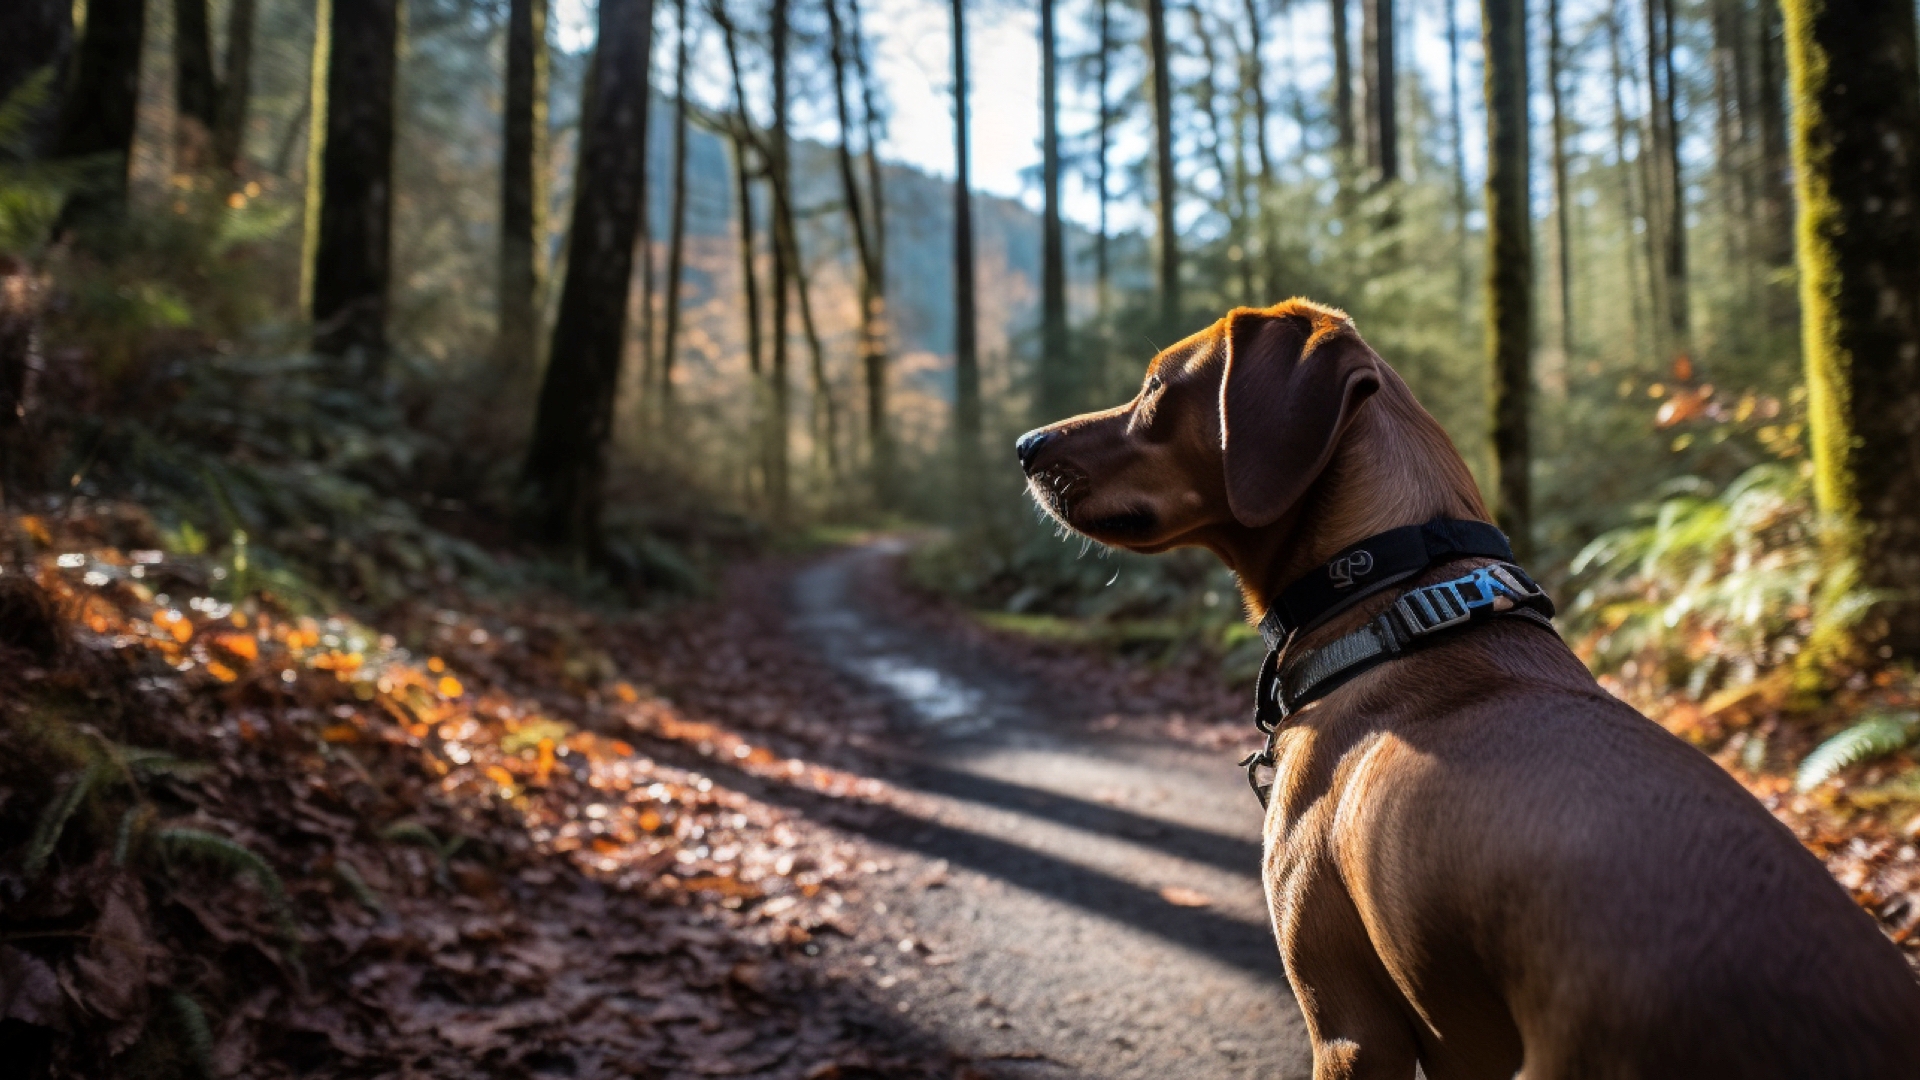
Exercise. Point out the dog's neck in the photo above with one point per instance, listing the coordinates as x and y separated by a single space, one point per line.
1395 466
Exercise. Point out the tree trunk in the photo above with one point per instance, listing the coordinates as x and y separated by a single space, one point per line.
1057 389
196 88
522 191
1509 265
1671 203
1730 138
872 347
1856 154
1104 139
779 483
1457 131
1377 79
1562 213
1629 204
1344 136
1254 88
318 61
1165 191
884 462
966 359
565 472
677 230
97 114
1776 200
236 90
353 256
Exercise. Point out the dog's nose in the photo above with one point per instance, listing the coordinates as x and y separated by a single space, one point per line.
1029 446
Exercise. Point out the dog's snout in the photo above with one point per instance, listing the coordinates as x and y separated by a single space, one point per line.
1028 447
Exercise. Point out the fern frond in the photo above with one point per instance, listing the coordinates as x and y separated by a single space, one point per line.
412 833
193 1023
232 857
357 885
130 824
1878 735
53 822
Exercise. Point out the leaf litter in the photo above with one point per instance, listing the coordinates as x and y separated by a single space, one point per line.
296 846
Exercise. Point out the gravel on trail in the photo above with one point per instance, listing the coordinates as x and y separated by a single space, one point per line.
1058 891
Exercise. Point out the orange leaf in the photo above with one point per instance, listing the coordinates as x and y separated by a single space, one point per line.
543 764
240 645
500 776
341 733
450 687
181 629
221 671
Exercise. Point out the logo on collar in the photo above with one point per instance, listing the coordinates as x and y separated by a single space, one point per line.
1348 567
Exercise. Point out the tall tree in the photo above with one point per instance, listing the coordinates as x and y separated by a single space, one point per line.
779 389
1056 358
1775 199
1562 212
1377 78
1629 175
522 188
1254 89
1509 264
1344 137
236 90
677 229
1166 193
872 342
1856 153
196 86
353 256
741 135
1669 185
966 358
1457 134
97 113
565 471
1103 139
319 61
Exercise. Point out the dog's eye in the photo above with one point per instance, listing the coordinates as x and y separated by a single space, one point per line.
1153 386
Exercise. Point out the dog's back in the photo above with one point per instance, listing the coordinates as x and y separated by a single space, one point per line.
1527 852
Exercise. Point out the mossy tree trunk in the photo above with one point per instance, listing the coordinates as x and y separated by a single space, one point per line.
1856 152
1509 265
353 251
522 191
97 114
565 471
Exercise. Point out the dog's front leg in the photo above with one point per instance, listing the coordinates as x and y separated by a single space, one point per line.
1355 1014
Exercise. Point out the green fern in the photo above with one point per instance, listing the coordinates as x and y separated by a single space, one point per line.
1878 735
357 885
234 858
199 1034
413 833
131 823
53 822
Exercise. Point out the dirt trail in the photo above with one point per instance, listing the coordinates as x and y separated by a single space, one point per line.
1030 920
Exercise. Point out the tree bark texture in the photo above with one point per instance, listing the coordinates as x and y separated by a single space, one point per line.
1165 191
353 256
1509 265
236 90
522 191
1377 78
779 390
1057 390
1856 151
677 228
97 113
966 358
196 86
1562 212
1670 235
871 340
1774 194
1344 136
565 471
1103 142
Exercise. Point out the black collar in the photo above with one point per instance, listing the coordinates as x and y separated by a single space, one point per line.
1373 564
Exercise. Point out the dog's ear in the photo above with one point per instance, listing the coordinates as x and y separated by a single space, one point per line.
1283 408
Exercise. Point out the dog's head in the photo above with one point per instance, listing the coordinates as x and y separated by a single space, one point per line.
1229 429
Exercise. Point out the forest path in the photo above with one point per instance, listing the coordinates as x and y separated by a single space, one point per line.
1064 901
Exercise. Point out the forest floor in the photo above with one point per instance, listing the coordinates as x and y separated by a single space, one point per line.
818 826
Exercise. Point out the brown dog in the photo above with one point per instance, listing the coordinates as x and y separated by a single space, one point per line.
1476 858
